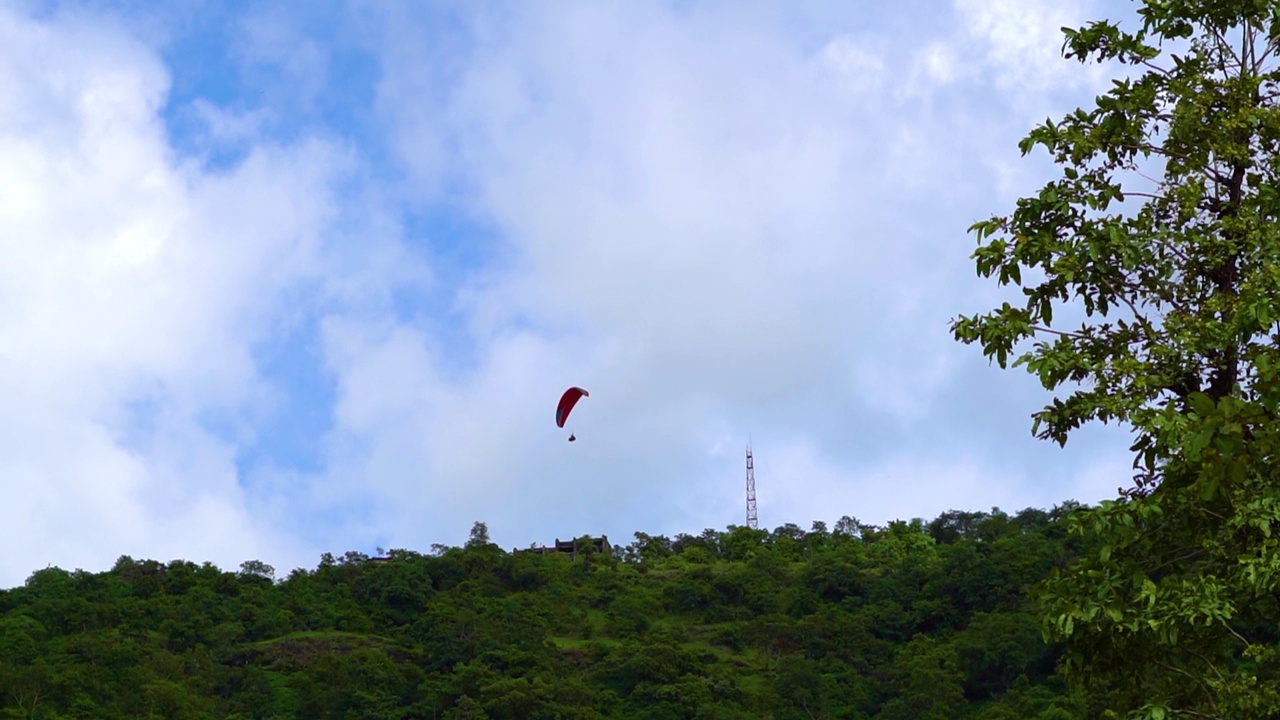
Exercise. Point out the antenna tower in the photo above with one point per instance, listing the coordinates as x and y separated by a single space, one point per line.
751 491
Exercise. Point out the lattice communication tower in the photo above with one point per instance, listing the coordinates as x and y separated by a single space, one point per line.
752 522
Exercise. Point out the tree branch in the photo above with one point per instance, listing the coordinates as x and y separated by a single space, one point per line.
1063 333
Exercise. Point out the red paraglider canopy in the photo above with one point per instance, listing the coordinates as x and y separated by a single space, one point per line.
567 401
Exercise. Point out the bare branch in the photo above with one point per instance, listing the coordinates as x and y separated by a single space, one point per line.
1198 681
1063 333
1237 635
1194 713
1137 316
1181 558
1156 67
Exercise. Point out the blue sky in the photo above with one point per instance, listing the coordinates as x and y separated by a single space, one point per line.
293 278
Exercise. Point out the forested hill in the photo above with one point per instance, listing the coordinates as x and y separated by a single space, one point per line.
913 621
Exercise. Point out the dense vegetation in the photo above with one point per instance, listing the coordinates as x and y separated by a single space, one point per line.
913 621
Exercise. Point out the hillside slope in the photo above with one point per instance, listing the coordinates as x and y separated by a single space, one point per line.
911 621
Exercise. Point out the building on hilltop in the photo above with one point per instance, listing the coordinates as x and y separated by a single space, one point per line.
570 547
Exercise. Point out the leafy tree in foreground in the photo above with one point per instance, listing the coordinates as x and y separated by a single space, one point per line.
1163 229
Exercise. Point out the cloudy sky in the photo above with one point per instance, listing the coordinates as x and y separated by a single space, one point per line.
288 278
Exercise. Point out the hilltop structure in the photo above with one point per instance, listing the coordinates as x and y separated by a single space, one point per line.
570 547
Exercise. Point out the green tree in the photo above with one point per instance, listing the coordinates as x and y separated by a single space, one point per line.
1163 230
926 682
648 548
479 536
739 542
256 569
740 623
997 649
802 684
466 709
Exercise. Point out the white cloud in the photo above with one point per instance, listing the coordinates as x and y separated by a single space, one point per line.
223 127
274 48
802 486
1020 41
859 67
939 64
134 290
723 231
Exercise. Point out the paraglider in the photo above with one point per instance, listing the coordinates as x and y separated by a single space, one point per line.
567 401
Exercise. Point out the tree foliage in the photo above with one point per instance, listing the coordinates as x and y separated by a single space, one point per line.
1150 293
724 624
